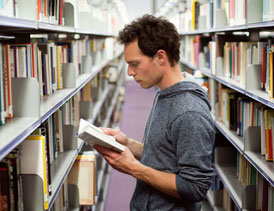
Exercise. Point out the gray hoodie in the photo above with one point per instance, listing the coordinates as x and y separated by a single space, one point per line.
179 139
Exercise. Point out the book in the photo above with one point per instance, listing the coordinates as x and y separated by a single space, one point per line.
95 136
34 147
83 175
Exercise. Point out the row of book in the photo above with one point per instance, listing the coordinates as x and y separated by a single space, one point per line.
44 62
48 11
246 173
65 12
29 159
21 162
208 14
233 57
238 112
37 154
11 194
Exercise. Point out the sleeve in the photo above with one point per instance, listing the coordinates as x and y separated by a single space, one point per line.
193 136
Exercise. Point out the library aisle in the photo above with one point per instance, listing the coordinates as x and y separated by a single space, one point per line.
135 112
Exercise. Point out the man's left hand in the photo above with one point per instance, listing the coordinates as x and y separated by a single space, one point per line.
121 161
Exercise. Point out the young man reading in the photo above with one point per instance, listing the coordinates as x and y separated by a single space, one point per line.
173 163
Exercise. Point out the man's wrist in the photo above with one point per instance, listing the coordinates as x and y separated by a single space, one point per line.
137 169
128 142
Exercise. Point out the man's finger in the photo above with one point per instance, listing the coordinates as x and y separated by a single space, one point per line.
108 131
105 151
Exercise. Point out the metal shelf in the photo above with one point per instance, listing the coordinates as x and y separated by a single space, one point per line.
14 132
260 26
231 182
23 25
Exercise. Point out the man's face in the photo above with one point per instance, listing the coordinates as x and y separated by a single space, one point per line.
144 69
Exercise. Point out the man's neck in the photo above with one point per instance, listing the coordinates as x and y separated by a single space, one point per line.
172 76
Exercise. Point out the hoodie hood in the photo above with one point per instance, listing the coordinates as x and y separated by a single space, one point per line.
188 84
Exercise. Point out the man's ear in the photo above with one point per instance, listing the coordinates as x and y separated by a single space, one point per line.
161 57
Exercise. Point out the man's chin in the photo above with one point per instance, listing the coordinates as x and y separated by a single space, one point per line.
144 86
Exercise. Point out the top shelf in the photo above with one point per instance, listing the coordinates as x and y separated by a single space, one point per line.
8 24
260 26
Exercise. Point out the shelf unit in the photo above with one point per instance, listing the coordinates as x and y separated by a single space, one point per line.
228 173
18 129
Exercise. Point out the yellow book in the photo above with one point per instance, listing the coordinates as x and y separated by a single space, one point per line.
59 67
87 92
33 161
194 15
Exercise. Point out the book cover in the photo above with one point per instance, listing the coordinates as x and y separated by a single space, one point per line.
95 136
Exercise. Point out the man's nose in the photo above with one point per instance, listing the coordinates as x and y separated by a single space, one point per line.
130 72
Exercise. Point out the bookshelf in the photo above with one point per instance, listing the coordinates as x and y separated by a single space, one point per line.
231 136
32 110
209 31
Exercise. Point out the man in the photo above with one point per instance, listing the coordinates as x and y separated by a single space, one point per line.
173 164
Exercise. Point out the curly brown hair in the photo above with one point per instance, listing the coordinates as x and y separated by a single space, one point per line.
153 34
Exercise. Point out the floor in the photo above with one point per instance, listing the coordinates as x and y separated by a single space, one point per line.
135 112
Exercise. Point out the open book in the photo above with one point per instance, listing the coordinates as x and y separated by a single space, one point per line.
95 136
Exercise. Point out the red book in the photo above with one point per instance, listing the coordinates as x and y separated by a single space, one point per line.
45 8
39 10
61 12
198 50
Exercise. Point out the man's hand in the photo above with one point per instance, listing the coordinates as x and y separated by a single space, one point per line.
134 146
123 162
117 134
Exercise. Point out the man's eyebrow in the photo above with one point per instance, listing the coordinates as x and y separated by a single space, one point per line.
132 61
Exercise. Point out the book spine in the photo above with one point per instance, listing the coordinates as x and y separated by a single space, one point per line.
2 103
8 82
